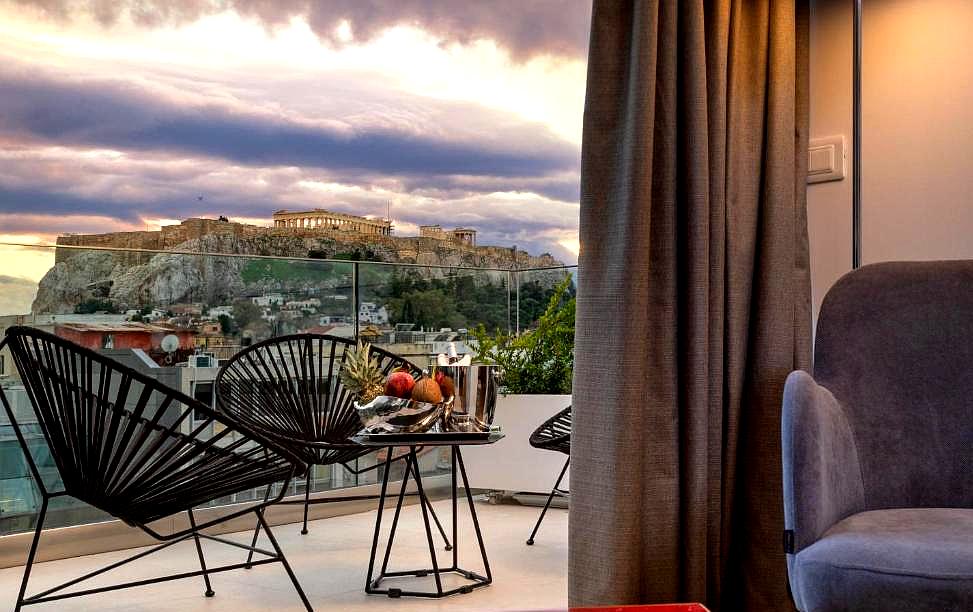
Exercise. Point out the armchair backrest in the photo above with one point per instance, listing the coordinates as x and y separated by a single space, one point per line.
126 443
894 346
289 388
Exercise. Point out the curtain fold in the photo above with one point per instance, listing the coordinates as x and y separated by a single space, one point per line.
693 301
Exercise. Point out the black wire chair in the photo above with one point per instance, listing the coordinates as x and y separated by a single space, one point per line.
553 435
128 445
289 389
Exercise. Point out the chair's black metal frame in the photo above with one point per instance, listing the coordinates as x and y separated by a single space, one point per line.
288 388
119 442
373 582
554 434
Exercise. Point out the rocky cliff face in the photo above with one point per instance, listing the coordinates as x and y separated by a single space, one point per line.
87 276
136 280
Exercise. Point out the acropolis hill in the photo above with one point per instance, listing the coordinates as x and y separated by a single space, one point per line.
133 279
318 233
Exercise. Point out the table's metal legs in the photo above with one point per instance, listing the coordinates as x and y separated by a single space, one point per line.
476 523
307 501
373 582
378 521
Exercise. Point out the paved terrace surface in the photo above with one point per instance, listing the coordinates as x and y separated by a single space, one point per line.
331 562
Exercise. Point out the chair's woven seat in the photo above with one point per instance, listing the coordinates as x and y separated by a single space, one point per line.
554 434
129 445
288 388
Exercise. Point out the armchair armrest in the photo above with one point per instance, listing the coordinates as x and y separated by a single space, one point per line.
822 474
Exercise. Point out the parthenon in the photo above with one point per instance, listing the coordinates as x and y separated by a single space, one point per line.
327 220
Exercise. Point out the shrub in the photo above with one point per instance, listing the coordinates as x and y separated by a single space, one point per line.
539 360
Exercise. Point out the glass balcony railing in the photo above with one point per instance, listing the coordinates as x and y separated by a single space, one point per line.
178 316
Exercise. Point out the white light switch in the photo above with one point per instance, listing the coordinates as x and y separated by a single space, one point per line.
826 159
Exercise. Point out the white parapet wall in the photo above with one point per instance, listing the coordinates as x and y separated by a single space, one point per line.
512 464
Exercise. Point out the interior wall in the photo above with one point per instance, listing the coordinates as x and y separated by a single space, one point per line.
917 130
917 133
829 204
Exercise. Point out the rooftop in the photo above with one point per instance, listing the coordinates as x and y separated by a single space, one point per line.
121 327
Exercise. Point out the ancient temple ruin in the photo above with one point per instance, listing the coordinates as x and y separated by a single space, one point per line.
327 220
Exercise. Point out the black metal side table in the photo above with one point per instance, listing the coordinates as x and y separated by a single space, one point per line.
414 441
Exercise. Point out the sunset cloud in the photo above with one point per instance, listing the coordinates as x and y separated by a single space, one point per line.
120 115
553 27
117 115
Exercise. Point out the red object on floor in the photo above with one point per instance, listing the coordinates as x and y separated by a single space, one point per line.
690 607
685 607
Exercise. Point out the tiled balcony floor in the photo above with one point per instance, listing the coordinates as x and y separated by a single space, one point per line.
331 562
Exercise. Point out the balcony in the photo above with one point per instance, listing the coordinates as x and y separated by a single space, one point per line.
178 319
330 563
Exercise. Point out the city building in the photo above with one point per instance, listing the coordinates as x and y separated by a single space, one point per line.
311 304
370 312
124 335
269 299
220 311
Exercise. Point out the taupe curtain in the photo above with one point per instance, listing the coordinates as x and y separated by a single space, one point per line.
693 303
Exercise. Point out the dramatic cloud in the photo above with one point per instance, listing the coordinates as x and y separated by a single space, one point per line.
122 208
97 191
119 115
20 224
535 27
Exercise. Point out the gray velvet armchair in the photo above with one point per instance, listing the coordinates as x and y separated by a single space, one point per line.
878 445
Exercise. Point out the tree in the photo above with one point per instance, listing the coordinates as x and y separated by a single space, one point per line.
245 312
540 360
431 309
226 324
95 305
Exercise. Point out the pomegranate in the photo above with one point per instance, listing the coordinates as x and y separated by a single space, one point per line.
400 384
446 384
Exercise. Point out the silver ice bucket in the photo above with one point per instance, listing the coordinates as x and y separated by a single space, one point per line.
475 398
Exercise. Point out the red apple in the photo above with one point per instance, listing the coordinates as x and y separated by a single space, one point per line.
445 384
399 384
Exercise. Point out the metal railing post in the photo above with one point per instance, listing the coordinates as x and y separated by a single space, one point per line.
510 280
517 281
356 294
517 288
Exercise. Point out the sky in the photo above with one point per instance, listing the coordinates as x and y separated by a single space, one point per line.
124 115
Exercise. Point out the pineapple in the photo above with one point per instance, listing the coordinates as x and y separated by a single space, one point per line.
361 374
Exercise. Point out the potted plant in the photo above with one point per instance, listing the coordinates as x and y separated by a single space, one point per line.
536 368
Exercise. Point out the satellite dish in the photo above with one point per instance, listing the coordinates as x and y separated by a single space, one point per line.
170 343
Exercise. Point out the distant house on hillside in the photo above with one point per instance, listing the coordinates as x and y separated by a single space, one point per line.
268 299
311 304
125 335
370 312
219 311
